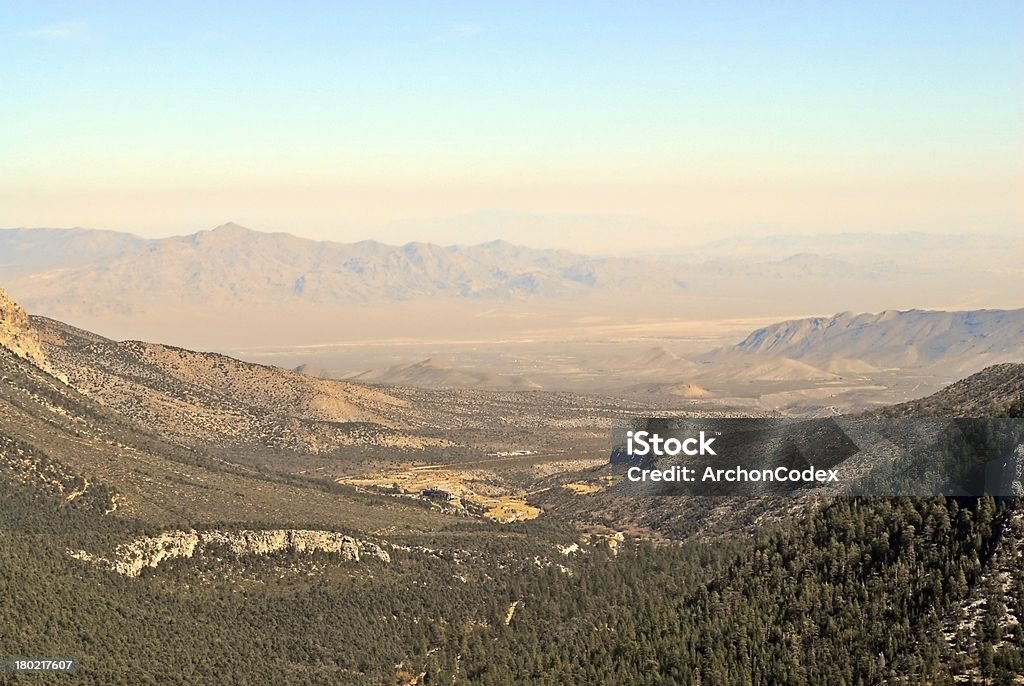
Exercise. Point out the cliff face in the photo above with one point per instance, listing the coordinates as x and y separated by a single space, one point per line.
131 558
18 336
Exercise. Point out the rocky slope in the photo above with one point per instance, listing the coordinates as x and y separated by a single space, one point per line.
19 336
77 452
995 391
206 398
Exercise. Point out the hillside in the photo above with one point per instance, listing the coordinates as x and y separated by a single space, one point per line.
996 391
209 399
435 373
60 443
778 369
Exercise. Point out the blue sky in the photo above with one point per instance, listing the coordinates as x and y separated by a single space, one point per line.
331 119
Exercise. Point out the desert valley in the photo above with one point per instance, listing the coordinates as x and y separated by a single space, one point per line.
473 344
457 512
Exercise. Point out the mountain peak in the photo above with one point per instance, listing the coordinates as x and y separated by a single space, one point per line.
231 228
497 243
225 233
18 336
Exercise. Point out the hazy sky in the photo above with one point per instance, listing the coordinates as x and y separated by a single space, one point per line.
541 122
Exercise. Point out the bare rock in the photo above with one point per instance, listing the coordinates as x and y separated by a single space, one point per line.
18 336
131 558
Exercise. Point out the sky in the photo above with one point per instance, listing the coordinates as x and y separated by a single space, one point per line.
563 124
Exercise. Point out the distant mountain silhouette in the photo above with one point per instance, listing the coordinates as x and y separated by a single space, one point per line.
51 268
434 373
859 343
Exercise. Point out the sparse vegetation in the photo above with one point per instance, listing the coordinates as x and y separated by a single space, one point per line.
594 590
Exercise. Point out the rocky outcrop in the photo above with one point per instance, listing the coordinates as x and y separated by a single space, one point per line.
18 336
612 540
130 559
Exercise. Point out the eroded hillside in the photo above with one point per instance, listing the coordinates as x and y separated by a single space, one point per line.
206 398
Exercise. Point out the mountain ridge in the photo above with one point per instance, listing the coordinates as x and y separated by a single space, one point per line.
891 339
238 264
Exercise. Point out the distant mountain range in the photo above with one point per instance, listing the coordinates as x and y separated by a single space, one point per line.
231 287
856 343
279 288
233 264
